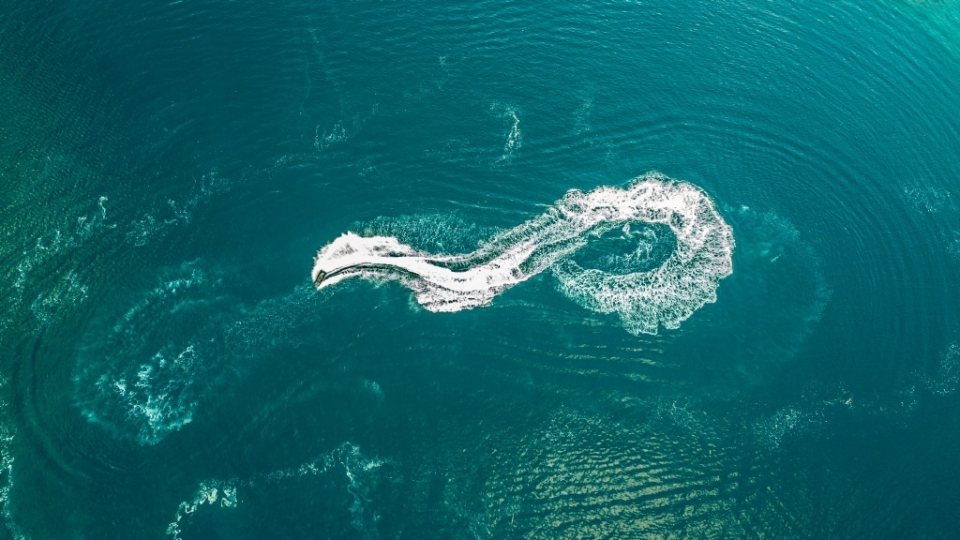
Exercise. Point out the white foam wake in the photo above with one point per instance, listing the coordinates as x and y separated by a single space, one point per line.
644 300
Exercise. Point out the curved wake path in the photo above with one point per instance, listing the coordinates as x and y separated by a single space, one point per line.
644 299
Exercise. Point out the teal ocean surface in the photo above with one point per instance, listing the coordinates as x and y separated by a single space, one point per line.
410 270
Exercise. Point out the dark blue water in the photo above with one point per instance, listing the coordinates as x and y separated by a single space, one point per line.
169 171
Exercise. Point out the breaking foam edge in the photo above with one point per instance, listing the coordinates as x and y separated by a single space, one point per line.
664 296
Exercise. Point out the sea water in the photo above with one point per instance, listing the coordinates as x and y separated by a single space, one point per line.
418 270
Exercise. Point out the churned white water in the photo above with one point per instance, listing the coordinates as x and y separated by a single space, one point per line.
644 300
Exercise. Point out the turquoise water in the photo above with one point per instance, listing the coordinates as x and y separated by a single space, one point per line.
170 171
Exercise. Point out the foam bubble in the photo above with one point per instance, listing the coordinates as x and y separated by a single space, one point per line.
953 245
67 292
514 138
142 372
7 434
335 135
944 382
929 199
374 388
139 378
773 430
345 468
149 227
644 300
448 233
48 248
341 132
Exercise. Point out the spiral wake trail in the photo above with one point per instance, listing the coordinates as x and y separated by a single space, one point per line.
644 300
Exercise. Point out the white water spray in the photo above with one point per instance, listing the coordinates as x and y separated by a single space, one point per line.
644 300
